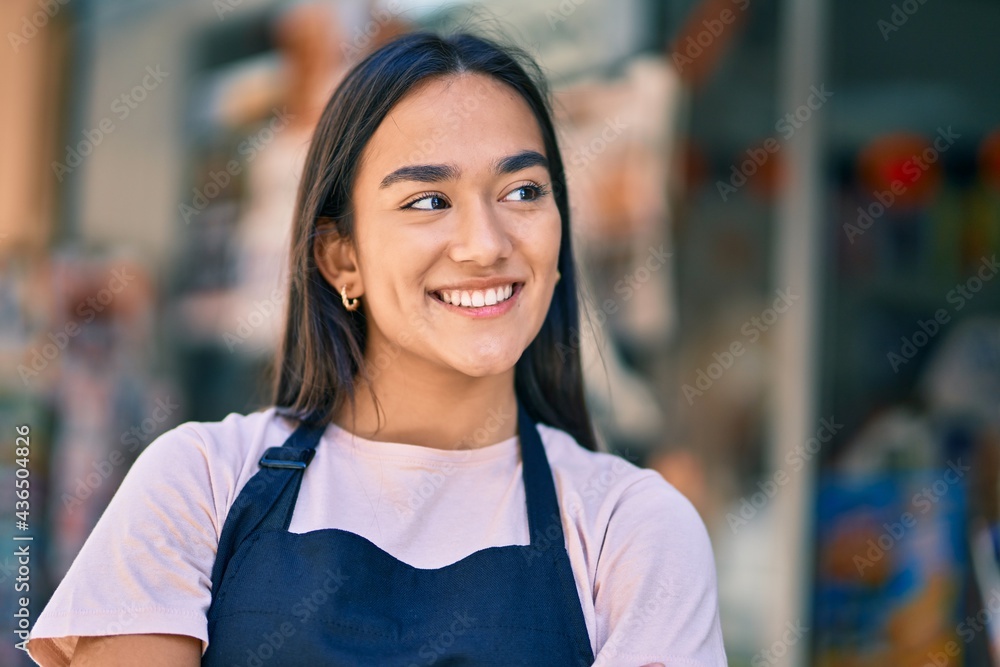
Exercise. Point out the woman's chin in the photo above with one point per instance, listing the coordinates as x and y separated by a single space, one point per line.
485 365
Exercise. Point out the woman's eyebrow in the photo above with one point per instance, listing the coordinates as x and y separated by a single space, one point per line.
519 161
424 173
433 173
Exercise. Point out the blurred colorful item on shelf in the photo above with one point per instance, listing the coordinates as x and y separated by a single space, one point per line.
903 169
704 37
989 159
892 560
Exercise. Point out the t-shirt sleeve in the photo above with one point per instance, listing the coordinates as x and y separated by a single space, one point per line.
656 595
146 567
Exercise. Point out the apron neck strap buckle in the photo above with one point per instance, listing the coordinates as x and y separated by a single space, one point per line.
287 457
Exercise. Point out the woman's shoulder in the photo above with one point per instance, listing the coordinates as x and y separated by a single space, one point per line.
173 500
609 487
582 466
237 435
233 425
223 452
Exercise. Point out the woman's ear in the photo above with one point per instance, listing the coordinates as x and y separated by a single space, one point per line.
337 260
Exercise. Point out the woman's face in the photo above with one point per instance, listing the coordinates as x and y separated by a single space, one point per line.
457 230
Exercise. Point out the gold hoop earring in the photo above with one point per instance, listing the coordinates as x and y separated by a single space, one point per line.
349 305
558 276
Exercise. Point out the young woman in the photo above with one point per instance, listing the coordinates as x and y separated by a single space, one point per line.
426 488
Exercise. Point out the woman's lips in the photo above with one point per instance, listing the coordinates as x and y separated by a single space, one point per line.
495 310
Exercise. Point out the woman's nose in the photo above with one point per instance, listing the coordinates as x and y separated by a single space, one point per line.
481 235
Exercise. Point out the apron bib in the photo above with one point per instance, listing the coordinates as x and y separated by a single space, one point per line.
332 597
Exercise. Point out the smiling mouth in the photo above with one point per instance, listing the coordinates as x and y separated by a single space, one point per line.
477 298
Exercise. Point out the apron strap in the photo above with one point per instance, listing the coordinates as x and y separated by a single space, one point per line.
545 523
544 519
274 489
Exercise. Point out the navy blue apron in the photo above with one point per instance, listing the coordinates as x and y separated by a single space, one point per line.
331 597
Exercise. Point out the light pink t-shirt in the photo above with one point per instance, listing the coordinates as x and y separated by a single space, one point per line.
640 553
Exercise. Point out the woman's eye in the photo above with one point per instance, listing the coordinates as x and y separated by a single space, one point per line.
527 192
427 203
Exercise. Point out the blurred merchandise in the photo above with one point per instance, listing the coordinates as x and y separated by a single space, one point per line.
104 387
889 580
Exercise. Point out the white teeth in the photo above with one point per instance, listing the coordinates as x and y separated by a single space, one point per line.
477 298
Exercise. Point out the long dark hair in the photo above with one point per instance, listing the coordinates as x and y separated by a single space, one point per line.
322 349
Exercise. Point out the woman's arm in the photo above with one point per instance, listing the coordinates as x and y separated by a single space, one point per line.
655 595
145 569
123 650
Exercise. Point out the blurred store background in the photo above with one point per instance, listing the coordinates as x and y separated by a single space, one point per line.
788 217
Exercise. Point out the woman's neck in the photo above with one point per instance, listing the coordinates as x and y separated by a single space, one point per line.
434 409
